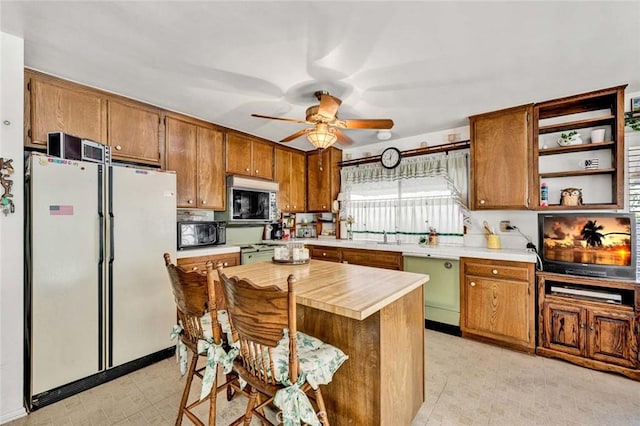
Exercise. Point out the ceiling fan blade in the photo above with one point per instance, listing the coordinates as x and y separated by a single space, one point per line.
342 138
297 134
293 120
382 123
328 105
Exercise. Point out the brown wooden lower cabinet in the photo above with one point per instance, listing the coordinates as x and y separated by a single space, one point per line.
364 257
497 302
199 262
591 333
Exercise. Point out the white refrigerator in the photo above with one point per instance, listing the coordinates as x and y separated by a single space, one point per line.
98 297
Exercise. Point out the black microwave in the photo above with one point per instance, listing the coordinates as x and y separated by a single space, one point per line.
198 234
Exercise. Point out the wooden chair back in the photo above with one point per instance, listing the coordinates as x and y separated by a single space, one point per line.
259 315
195 294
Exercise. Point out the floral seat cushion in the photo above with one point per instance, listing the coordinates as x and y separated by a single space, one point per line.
318 360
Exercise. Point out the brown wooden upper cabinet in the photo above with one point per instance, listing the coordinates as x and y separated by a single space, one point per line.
291 176
196 153
134 132
131 128
323 179
501 158
57 106
249 157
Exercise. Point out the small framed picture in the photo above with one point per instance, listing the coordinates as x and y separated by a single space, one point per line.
635 104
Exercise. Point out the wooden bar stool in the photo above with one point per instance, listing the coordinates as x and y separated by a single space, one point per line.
281 365
200 308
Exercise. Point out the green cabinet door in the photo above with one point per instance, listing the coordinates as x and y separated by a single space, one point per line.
442 291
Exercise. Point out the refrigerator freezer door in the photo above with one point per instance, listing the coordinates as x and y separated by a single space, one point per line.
144 228
65 325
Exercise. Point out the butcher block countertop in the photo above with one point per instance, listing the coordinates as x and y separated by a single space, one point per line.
347 290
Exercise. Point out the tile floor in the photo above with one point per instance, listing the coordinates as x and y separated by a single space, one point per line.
467 382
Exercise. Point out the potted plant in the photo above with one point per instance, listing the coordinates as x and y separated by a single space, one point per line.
570 138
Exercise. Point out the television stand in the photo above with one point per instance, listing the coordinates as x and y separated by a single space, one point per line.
592 322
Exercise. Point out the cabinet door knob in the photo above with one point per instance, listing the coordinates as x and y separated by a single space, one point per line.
225 264
204 201
257 171
294 206
324 207
472 284
324 254
194 268
119 147
287 205
581 325
189 201
246 170
482 201
494 272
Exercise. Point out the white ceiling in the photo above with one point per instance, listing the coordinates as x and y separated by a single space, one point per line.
426 65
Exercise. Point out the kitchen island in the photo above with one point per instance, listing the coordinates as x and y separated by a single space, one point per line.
376 317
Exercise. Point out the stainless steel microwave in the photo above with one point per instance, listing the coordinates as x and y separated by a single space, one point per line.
198 234
63 145
251 200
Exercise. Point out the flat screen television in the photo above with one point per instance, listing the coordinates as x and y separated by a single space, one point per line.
601 245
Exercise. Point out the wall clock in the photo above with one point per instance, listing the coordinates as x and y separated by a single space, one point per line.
390 158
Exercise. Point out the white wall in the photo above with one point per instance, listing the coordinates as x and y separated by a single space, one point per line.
11 231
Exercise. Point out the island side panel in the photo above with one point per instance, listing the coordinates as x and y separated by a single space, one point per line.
402 359
353 397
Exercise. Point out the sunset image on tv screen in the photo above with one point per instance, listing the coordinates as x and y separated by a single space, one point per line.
584 239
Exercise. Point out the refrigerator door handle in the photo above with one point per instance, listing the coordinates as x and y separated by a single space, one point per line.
110 269
101 230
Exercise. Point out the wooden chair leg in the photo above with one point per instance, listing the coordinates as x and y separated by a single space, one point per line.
212 399
253 396
187 387
322 410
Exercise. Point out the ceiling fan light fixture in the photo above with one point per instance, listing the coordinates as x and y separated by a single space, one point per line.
321 137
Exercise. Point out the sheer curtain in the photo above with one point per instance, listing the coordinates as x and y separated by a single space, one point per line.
422 193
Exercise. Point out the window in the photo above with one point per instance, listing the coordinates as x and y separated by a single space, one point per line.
634 193
405 207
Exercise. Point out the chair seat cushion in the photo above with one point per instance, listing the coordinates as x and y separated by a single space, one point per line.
318 360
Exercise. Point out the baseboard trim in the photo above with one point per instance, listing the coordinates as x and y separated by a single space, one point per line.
454 330
54 395
13 415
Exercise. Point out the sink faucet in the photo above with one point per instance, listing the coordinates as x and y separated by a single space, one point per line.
384 237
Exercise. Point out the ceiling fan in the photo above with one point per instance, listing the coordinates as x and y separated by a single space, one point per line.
326 125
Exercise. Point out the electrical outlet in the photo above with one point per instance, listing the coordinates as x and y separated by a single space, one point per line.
505 225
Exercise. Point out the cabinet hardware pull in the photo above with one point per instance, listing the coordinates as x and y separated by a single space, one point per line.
591 328
204 201
194 268
118 147
324 254
472 284
257 171
189 201
246 170
581 325
494 272
225 264
482 201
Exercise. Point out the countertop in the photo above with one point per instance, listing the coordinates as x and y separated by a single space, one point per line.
442 251
208 251
347 290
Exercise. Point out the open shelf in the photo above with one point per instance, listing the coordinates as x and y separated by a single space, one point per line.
559 164
578 124
577 173
577 148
